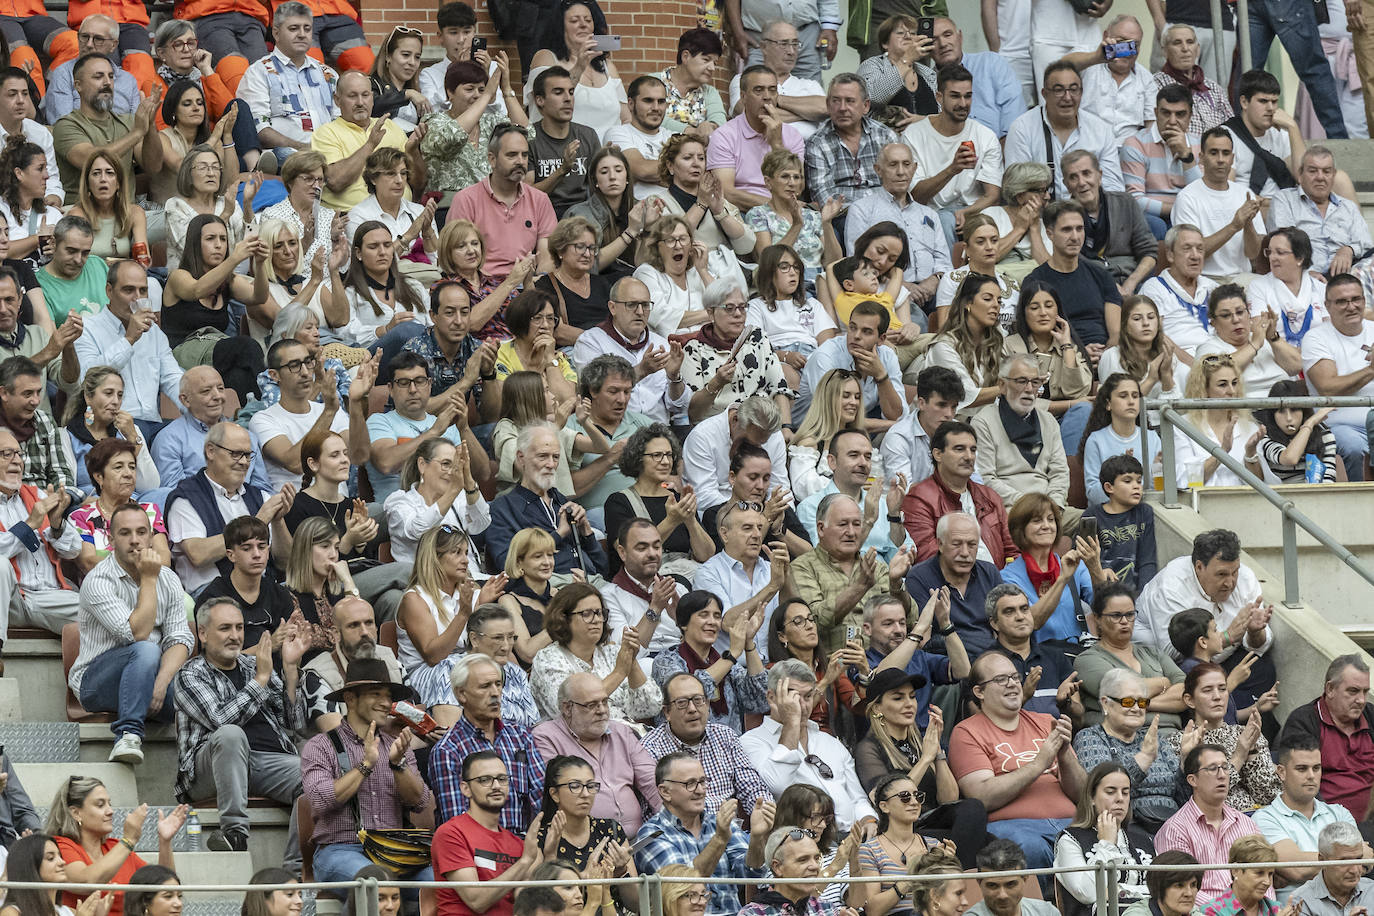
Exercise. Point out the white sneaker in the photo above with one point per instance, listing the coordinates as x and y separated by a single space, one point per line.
128 749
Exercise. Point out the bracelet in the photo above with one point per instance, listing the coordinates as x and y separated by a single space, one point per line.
947 631
397 767
472 491
895 519
229 144
128 843
364 769
675 379
880 381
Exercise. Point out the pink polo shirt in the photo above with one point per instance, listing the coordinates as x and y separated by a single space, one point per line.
738 146
509 233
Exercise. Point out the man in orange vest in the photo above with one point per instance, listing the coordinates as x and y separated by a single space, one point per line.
339 38
135 54
34 535
28 30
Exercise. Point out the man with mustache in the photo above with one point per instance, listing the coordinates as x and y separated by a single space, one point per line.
235 717
514 217
477 682
623 767
324 674
95 126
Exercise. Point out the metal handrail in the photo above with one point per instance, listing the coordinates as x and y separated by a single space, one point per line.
1170 417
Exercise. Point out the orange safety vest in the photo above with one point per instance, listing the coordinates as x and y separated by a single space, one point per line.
130 11
326 7
22 9
28 494
192 10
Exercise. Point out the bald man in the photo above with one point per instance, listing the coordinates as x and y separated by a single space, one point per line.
179 449
349 139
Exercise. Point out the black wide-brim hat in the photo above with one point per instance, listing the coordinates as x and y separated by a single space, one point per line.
365 673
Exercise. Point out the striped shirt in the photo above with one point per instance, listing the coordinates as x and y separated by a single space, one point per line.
1210 106
108 596
1188 831
1153 174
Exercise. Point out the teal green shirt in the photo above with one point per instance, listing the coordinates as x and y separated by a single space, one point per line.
85 295
613 481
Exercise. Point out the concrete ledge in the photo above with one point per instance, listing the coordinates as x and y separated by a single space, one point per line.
42 781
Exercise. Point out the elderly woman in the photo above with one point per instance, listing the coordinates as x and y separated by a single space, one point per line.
1114 612
695 193
1023 244
112 469
322 294
1253 345
583 295
982 242
180 59
455 141
1254 781
677 273
462 252
1061 587
897 76
202 191
650 459
785 220
303 175
576 622
1289 290
533 318
411 223
721 367
970 343
1103 831
733 689
695 107
296 322
1121 736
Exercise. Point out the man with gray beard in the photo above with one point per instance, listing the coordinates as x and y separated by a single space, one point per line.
94 126
324 674
534 503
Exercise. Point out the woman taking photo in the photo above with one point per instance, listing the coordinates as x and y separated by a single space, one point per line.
695 194
970 342
455 141
387 308
24 185
529 567
784 220
461 255
162 896
1042 331
1102 833
81 823
570 788
202 191
1254 781
533 320
121 227
722 368
1144 352
96 413
837 404
897 76
1215 376
982 242
650 458
733 690
1289 290
111 467
1062 586
570 43
576 622
433 614
582 294
437 488
1122 739
302 174
34 858
793 633
195 304
186 125
610 206
322 295
317 579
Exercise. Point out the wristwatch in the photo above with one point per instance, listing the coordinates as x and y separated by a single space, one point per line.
894 519
729 656
947 630
397 767
652 615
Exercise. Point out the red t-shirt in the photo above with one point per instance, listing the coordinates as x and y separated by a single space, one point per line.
463 843
977 744
72 851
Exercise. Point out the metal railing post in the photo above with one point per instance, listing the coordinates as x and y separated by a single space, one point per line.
1218 44
1243 40
1113 892
1166 447
1292 595
650 895
1100 879
1146 459
372 891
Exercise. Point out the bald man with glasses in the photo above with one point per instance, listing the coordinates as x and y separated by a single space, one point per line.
658 392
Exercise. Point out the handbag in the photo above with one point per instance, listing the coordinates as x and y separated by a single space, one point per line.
404 850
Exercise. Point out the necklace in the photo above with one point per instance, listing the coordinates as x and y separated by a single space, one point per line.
914 838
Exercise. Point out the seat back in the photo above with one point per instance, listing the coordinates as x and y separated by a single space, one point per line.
71 648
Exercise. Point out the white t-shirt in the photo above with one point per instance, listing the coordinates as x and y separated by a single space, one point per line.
934 151
1211 210
1273 140
1006 312
1349 354
629 137
786 325
1268 291
1181 324
277 421
1056 22
793 87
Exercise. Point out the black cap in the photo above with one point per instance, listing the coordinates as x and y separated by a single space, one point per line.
890 679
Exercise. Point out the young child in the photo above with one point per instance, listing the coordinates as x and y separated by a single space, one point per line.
794 322
854 279
1292 435
1194 635
1126 525
1112 430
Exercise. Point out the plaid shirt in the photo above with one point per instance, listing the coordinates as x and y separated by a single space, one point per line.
442 373
1210 106
45 460
1152 173
523 762
677 846
729 772
378 804
206 699
831 169
772 903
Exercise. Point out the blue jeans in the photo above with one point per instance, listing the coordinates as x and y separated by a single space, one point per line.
1036 838
1295 26
1071 426
121 681
341 861
1158 227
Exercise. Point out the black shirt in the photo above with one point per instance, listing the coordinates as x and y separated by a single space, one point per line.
581 313
619 511
547 155
261 735
1083 295
260 617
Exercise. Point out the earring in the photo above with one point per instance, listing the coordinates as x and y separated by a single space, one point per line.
90 415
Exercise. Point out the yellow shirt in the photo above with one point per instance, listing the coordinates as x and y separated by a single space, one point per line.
338 140
845 302
508 361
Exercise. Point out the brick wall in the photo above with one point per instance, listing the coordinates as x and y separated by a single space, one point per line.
650 28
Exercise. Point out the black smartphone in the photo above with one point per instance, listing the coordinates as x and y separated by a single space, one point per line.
925 26
1087 527
478 44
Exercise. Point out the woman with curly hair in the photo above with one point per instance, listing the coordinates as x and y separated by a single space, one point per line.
970 342
25 185
650 458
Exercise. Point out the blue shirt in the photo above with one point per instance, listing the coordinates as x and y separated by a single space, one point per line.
677 846
516 748
834 354
1068 621
997 99
1277 822
934 668
391 425
925 236
147 367
878 537
179 452
61 98
968 612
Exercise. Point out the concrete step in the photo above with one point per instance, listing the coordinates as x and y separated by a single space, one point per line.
36 666
43 780
157 774
11 708
206 867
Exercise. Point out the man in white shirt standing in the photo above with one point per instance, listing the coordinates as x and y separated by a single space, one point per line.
642 139
1116 87
658 392
955 180
1338 359
1056 30
1225 211
1068 127
1180 290
801 102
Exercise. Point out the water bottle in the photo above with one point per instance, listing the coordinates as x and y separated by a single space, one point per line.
193 831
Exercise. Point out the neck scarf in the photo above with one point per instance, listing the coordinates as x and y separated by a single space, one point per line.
1024 432
1195 79
628 583
293 283
1041 579
609 327
696 663
518 587
1198 311
170 76
708 336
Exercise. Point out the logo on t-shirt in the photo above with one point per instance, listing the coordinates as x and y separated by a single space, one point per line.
1019 758
493 859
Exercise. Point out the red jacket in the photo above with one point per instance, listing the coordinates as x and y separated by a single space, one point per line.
930 499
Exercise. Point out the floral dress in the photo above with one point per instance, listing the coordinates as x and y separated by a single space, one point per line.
757 370
808 245
553 664
96 531
454 160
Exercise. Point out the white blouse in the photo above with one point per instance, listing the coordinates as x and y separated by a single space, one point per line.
443 615
808 471
553 664
597 107
363 328
670 301
408 517
1187 452
786 325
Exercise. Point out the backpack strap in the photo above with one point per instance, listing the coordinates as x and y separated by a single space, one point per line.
344 766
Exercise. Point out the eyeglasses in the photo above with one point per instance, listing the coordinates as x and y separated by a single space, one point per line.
1120 616
685 703
1131 702
411 383
1062 91
9 454
1022 382
501 638
234 454
799 620
903 33
206 168
584 248
97 39
696 896
784 42
186 44
906 795
634 305
658 456
1002 680
590 615
789 267
578 787
594 705
1213 770
500 779
691 785
678 241
821 766
733 309
296 365
1354 300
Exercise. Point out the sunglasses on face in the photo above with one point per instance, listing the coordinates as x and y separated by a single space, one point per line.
1131 702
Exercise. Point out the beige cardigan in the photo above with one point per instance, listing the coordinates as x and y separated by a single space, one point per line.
1006 471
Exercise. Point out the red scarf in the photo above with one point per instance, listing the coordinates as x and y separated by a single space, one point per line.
609 327
629 584
1041 580
708 336
1195 80
696 663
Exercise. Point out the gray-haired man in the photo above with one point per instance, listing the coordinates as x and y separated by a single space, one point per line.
1337 889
